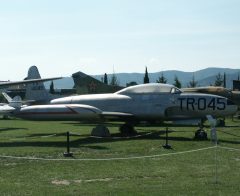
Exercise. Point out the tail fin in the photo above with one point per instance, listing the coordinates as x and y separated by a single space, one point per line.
36 91
16 102
7 97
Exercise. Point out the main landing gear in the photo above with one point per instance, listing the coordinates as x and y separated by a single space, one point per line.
127 129
201 134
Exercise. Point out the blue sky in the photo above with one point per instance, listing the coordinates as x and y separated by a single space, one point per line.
62 37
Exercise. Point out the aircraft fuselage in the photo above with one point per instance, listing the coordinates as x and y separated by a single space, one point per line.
144 106
142 102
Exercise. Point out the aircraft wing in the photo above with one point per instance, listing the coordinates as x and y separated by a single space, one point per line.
6 84
68 112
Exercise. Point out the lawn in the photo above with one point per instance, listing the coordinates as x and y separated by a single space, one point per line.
116 166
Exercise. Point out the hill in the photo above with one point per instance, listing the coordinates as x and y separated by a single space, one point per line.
203 77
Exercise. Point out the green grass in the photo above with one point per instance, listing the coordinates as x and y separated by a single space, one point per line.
182 174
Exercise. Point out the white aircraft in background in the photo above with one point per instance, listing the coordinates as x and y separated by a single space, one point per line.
146 102
6 108
37 91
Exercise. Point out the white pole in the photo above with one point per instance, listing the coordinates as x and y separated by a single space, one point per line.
213 123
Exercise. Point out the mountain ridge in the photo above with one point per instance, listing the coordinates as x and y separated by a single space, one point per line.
204 77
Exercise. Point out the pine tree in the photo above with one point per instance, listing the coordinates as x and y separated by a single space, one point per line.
51 90
219 80
105 80
162 79
177 83
146 78
192 83
224 80
114 80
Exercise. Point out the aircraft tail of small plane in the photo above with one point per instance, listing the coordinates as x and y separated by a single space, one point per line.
86 84
15 102
36 91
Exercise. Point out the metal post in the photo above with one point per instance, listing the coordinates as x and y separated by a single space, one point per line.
166 145
68 153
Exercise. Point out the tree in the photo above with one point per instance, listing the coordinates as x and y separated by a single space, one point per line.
177 83
114 80
219 80
52 91
162 79
192 83
224 80
146 78
105 80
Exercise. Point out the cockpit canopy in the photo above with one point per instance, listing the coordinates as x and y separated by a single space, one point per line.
153 88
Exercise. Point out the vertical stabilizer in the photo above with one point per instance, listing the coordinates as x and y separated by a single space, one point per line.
36 91
7 97
15 102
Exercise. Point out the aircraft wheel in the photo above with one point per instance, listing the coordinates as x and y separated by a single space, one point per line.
127 130
200 134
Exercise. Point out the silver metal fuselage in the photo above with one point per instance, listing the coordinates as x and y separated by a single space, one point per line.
156 106
141 102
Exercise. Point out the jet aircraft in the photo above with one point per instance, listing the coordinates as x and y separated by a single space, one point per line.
37 91
7 108
146 102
